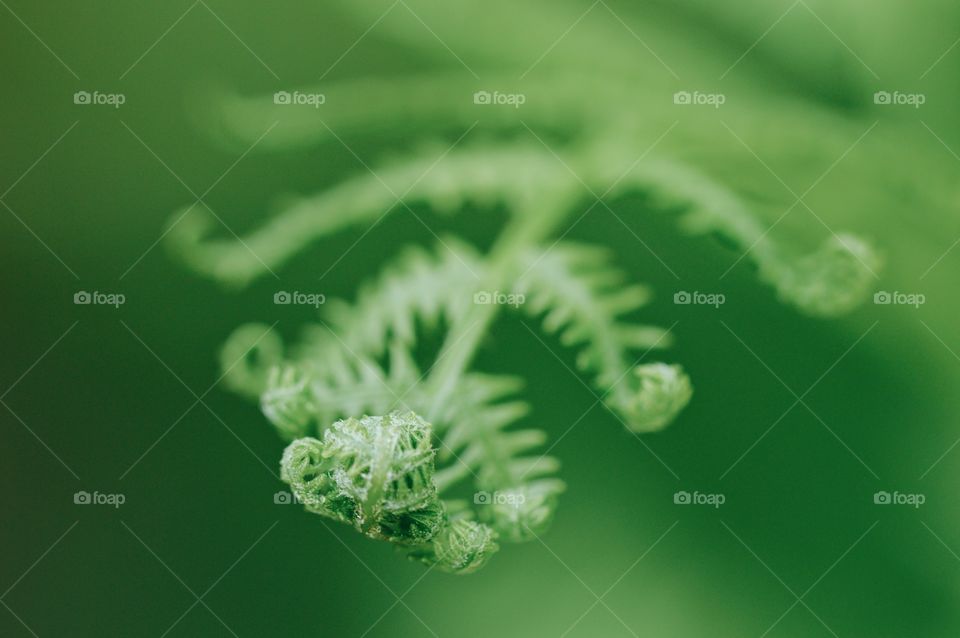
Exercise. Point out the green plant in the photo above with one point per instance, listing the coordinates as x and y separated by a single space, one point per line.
378 473
377 444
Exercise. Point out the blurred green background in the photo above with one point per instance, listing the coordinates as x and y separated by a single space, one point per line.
125 401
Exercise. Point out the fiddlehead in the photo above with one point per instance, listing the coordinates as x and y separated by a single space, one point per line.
374 473
288 402
462 547
650 396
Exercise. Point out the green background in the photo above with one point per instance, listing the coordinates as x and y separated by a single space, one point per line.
116 398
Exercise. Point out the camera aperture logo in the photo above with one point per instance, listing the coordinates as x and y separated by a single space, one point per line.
896 298
297 298
86 498
289 498
886 98
513 499
97 298
696 298
486 98
497 298
96 98
699 498
296 98
696 98
899 498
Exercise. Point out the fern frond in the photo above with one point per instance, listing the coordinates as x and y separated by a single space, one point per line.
338 360
584 300
484 176
384 475
341 385
419 288
827 282
516 495
304 398
288 402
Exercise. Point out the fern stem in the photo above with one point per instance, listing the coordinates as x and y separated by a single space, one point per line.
465 334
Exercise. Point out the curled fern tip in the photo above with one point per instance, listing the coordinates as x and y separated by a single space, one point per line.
650 396
287 402
523 513
834 279
462 547
374 473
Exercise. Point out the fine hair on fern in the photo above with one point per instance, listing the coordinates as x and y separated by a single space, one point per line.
438 458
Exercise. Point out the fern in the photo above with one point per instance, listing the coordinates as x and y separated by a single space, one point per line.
448 182
830 281
583 298
387 445
419 287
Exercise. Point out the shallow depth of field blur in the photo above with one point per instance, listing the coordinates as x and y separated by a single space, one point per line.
838 114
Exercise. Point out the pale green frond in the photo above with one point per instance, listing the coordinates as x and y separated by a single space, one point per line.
583 300
505 467
418 290
288 402
446 181
827 281
341 385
